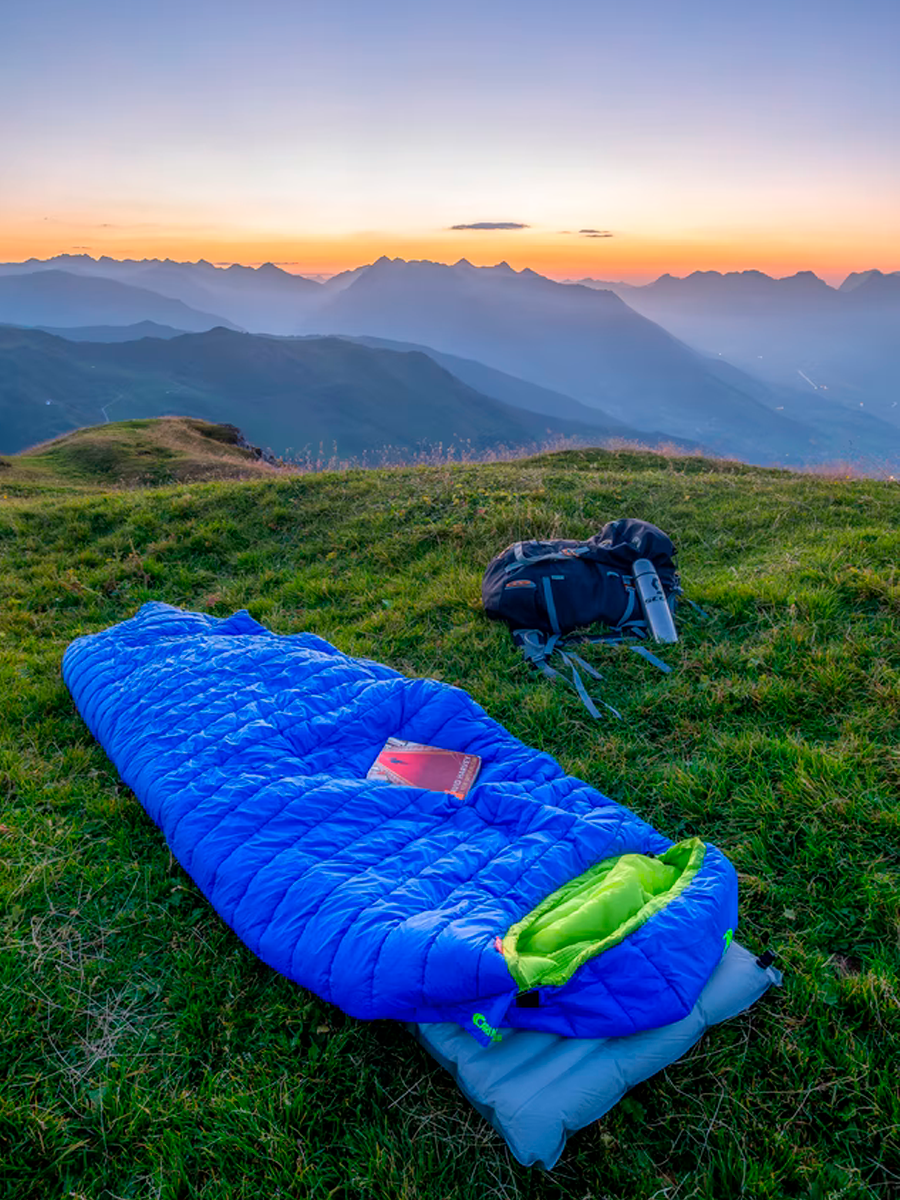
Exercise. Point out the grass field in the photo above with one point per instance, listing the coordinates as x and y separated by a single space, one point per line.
145 1054
128 454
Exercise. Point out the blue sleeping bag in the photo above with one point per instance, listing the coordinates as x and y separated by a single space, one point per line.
535 903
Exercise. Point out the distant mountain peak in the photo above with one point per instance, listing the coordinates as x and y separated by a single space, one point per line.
856 278
461 266
748 282
804 278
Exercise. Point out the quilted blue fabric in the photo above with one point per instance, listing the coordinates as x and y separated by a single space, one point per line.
250 750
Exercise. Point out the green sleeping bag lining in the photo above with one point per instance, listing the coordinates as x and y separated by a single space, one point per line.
596 911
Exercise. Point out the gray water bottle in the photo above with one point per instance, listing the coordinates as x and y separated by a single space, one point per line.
653 601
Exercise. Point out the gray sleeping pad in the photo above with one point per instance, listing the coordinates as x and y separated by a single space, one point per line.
537 1088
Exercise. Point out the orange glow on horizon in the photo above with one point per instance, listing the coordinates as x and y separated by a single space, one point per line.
627 256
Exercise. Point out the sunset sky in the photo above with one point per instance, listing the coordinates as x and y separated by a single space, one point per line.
320 134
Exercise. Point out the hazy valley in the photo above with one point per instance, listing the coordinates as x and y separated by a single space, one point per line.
771 371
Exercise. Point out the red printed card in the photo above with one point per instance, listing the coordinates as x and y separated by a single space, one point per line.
410 764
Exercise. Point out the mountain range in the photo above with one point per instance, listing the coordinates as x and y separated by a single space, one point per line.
797 332
295 396
58 298
587 344
262 299
769 370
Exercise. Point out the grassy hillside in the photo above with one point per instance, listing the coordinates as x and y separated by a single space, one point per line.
128 453
145 1053
291 395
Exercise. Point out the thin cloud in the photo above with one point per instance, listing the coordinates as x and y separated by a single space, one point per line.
493 225
586 233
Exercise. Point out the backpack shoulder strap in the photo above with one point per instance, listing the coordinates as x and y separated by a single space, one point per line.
537 646
576 681
657 662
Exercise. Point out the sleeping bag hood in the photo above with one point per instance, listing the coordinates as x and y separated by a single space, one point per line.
535 902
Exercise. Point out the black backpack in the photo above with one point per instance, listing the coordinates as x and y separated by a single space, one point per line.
545 590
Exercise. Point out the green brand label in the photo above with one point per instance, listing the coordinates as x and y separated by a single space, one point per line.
481 1022
728 935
